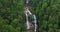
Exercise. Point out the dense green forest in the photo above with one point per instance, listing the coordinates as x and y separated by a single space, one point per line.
12 18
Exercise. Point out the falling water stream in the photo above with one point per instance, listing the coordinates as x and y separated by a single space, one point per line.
28 14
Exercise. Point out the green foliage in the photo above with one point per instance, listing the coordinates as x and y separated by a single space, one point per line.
12 18
47 13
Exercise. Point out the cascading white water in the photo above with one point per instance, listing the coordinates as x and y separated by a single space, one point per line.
27 13
27 1
35 23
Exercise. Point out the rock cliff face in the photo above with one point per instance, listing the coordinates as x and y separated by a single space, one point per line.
31 28
30 31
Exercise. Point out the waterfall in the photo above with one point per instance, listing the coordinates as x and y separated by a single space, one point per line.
35 23
28 14
27 1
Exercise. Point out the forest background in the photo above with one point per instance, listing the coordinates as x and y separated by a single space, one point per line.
12 18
